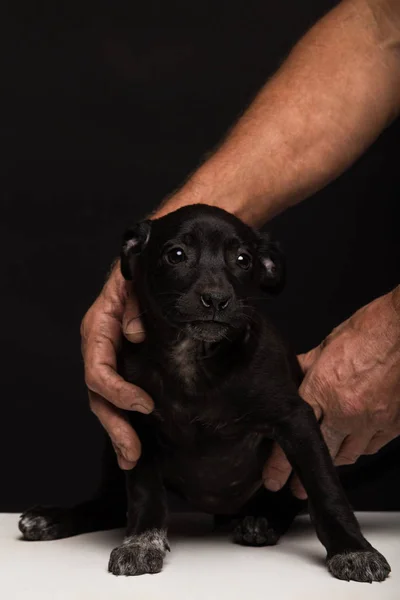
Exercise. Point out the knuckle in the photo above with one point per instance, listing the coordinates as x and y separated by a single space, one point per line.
85 322
382 415
119 390
122 396
90 379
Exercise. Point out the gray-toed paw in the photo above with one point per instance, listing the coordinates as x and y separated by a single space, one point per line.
361 565
139 554
254 531
42 523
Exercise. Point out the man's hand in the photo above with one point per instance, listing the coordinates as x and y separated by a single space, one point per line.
352 381
114 312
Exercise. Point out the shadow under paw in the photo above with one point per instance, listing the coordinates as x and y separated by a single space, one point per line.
255 531
42 523
363 565
139 554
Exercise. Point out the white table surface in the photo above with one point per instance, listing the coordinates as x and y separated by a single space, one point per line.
201 565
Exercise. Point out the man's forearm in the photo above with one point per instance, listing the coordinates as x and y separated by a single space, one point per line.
396 300
338 89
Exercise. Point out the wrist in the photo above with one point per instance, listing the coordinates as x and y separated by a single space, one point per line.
218 183
193 191
378 324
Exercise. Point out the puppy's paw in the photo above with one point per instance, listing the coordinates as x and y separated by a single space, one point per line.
42 523
140 554
254 531
361 565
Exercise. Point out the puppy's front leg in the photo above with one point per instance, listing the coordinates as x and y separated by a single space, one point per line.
145 544
349 554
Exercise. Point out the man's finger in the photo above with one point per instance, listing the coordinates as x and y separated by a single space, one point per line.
132 325
298 489
277 470
100 371
115 389
333 438
379 440
307 359
304 392
352 448
123 437
123 463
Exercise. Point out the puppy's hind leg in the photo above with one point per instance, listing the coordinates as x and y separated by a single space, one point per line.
106 510
266 517
42 523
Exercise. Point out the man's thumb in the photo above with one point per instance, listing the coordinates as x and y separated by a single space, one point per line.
132 325
308 359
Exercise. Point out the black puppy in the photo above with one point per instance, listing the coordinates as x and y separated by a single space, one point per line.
225 387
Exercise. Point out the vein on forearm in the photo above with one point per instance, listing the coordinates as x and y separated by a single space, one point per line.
338 89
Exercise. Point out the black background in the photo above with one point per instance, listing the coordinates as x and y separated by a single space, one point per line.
106 108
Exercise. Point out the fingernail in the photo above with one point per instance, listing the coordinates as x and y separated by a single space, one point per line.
146 410
132 329
272 485
134 332
135 338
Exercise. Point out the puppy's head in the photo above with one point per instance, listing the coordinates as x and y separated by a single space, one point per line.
201 269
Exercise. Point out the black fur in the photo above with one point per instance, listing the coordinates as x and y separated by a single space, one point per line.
225 387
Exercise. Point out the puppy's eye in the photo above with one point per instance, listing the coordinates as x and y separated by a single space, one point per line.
175 256
244 261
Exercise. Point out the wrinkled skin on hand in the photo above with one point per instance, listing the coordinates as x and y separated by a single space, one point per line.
113 313
352 381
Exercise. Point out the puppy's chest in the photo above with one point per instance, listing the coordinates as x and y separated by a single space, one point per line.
191 410
181 367
199 368
185 421
191 391
185 363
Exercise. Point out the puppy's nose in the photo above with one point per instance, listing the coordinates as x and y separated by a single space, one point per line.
216 300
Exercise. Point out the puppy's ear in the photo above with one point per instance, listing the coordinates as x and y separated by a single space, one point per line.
134 242
273 265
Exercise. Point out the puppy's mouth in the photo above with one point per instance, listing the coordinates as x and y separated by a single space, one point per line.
209 331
